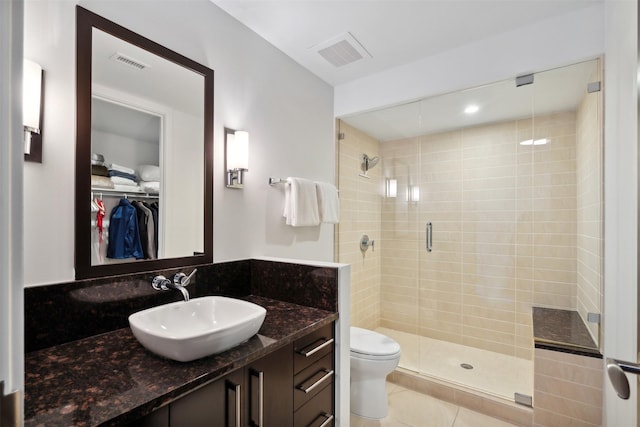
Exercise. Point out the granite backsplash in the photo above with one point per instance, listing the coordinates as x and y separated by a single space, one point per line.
65 312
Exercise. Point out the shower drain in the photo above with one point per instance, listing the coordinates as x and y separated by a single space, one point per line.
466 366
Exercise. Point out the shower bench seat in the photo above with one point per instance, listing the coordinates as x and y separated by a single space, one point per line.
568 370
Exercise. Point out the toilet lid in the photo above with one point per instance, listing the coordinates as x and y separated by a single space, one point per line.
364 341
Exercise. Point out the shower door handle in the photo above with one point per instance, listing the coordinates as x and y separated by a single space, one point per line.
429 239
615 370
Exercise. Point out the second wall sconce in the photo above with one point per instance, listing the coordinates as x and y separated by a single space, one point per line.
391 188
31 110
236 157
413 194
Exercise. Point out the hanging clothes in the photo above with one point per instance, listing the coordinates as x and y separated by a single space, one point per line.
100 211
100 216
146 228
124 237
154 211
142 227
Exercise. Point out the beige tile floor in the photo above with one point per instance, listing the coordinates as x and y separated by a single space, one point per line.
408 408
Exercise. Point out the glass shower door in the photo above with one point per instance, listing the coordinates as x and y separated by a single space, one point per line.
468 211
400 262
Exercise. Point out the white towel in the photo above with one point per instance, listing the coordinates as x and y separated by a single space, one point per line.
301 203
328 202
149 173
150 186
122 169
127 188
118 180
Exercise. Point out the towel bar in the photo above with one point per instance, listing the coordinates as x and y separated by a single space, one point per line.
274 181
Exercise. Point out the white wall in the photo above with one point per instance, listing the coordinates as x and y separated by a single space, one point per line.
551 43
287 111
182 187
123 150
11 155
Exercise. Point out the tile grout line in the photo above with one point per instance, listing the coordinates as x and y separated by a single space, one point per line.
456 417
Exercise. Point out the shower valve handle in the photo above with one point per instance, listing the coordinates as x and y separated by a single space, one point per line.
365 243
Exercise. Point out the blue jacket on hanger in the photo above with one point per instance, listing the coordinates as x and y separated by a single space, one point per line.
124 238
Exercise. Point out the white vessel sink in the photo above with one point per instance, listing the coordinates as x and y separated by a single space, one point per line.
186 331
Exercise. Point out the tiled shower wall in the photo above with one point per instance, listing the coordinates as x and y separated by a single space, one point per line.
359 214
504 232
568 390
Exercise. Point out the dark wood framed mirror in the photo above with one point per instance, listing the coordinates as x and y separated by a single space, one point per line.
143 141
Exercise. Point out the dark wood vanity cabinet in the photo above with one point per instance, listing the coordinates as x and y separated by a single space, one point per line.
256 395
313 370
216 404
291 387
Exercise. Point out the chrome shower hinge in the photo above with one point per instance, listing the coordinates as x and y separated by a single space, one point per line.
526 79
593 318
593 87
523 399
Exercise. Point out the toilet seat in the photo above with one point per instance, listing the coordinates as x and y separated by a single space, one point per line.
370 345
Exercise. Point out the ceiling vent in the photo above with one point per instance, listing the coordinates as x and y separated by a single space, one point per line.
341 50
127 60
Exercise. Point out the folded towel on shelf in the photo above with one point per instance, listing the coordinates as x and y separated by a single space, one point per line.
120 168
150 186
149 172
301 203
123 181
98 181
127 188
99 170
328 202
120 174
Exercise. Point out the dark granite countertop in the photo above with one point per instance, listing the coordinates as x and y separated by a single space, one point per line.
562 330
110 379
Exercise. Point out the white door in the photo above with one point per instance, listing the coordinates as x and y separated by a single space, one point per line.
11 165
621 203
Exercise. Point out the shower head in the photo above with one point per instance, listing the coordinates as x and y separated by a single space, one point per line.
369 163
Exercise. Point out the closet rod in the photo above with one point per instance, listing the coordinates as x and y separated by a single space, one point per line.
107 193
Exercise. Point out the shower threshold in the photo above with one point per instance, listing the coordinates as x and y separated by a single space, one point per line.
481 380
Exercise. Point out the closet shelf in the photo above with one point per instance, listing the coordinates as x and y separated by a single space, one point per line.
108 192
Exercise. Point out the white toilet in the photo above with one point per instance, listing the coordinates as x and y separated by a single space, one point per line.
373 357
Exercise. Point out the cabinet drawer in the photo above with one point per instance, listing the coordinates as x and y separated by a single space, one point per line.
313 347
317 411
312 380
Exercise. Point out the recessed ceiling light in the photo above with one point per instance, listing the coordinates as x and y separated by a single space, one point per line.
471 109
541 141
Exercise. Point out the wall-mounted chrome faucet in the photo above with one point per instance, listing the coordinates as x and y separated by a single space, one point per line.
180 281
365 243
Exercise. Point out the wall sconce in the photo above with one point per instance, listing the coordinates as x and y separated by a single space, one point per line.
31 110
236 157
391 188
413 194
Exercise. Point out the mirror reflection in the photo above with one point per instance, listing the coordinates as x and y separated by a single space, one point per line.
147 145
